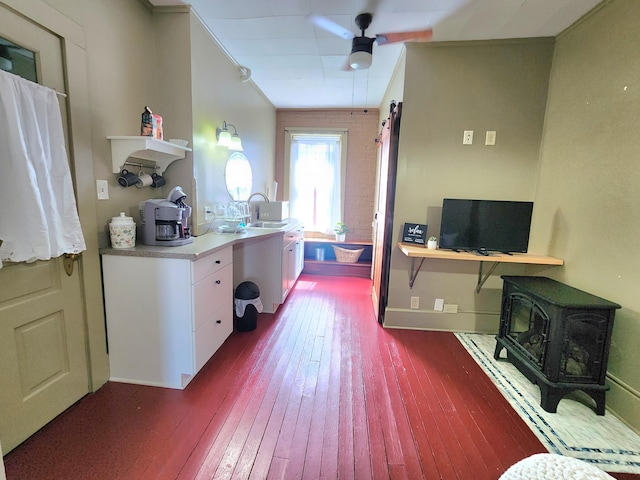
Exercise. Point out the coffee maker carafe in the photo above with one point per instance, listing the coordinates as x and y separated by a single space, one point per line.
164 222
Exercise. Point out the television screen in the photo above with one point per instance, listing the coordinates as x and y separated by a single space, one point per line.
485 225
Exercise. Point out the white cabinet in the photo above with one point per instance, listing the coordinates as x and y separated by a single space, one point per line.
292 259
272 262
165 316
288 267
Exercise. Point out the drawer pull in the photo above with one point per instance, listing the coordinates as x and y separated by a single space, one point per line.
218 322
218 262
218 282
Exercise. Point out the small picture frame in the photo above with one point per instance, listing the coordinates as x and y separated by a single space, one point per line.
415 233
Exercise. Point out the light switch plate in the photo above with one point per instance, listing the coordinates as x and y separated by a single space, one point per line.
102 187
439 305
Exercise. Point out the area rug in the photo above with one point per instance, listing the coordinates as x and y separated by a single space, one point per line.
574 430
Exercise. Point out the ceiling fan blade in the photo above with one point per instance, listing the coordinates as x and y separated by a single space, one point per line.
415 36
330 26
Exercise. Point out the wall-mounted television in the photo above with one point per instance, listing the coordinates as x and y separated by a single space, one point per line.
485 225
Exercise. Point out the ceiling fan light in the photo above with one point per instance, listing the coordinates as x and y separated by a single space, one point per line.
360 60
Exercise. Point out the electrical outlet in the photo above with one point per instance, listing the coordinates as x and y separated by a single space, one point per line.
450 308
490 138
467 139
415 303
102 186
208 214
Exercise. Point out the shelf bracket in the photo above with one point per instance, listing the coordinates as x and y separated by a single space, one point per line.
481 278
414 271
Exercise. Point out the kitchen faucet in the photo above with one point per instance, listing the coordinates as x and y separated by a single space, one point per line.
254 212
258 193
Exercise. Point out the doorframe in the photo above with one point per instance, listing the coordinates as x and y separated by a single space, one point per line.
76 103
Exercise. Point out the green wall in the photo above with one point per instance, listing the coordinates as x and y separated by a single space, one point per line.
589 184
449 88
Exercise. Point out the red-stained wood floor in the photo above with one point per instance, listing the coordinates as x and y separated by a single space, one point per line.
318 390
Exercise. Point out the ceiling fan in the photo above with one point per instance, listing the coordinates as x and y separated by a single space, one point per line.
362 46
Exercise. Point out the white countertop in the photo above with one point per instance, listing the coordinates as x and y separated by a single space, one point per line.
202 245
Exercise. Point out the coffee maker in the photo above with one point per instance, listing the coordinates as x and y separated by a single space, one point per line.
164 221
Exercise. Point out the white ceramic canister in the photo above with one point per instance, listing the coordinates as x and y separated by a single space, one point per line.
123 231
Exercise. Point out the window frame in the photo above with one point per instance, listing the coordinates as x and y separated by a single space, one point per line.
344 137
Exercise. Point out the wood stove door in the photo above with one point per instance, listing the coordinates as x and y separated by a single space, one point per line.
527 328
584 347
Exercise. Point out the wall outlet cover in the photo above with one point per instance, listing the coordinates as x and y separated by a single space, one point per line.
450 308
415 303
439 305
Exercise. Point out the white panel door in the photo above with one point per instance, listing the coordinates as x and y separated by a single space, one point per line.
43 356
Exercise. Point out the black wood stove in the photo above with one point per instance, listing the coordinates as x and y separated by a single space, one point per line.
557 336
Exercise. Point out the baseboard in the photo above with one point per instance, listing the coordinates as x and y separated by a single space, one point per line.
471 322
624 403
359 269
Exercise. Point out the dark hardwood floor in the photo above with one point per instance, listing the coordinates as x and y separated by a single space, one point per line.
318 390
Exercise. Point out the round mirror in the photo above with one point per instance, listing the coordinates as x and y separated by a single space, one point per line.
238 177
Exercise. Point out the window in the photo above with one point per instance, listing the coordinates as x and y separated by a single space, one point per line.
316 169
17 60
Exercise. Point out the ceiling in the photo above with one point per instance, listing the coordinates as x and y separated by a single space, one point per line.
299 65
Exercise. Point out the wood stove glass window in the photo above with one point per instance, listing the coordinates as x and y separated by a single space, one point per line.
528 328
583 347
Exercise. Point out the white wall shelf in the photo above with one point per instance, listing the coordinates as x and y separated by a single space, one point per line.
145 148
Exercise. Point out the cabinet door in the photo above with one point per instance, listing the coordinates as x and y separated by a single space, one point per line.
286 260
212 333
211 293
299 258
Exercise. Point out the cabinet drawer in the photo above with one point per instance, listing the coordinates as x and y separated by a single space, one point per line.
211 293
211 263
212 333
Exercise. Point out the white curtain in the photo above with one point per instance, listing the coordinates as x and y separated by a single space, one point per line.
38 215
315 184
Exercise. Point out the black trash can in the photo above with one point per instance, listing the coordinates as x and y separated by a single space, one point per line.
249 319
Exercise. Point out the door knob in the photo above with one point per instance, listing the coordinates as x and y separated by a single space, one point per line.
68 260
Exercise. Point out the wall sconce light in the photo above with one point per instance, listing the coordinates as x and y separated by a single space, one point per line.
226 139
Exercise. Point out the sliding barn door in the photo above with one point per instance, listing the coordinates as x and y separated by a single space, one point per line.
383 217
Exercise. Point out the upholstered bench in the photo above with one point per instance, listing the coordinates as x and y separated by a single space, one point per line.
546 466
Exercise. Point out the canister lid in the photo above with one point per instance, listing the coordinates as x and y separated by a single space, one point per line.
122 219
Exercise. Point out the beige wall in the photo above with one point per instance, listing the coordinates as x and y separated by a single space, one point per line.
589 184
361 159
220 95
449 88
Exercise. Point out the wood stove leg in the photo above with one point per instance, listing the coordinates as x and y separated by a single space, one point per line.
599 397
549 398
496 353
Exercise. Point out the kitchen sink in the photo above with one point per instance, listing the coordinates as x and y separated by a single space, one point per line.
267 224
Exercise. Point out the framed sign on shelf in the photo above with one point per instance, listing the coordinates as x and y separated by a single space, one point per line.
414 233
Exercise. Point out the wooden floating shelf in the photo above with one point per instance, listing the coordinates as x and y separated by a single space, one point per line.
422 253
